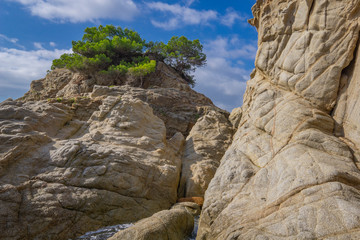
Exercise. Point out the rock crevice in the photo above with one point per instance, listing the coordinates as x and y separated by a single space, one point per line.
286 168
78 153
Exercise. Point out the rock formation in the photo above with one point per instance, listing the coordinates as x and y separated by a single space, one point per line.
292 170
170 97
175 224
81 152
204 147
78 153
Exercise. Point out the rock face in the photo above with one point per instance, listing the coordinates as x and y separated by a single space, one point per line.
170 97
292 170
347 110
204 147
76 156
175 224
120 168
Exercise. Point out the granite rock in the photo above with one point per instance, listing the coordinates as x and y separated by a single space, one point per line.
78 153
292 170
204 148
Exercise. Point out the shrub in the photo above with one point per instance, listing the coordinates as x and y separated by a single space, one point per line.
182 54
113 50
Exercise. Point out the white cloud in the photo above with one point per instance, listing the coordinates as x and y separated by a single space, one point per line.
220 74
188 3
38 45
52 44
81 10
231 48
19 67
223 79
12 40
181 15
231 17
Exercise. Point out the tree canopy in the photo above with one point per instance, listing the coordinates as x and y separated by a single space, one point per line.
112 49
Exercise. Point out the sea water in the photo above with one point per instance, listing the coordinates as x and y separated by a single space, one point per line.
104 233
107 232
194 232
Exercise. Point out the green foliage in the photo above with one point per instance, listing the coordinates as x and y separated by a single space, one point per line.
70 61
143 68
182 54
113 50
104 49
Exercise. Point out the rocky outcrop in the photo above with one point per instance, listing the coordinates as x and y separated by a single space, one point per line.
292 170
235 117
198 200
204 147
347 110
76 156
119 168
176 224
170 97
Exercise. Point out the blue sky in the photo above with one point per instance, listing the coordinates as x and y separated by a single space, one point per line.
34 32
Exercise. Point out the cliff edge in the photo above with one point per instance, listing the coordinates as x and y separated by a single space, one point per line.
292 170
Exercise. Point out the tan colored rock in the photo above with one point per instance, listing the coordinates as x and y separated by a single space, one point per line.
347 109
178 109
171 98
289 174
49 86
198 200
76 156
235 117
205 146
176 224
193 206
116 167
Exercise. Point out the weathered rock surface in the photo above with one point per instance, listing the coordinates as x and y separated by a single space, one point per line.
235 117
198 200
347 110
171 98
204 148
292 171
76 156
175 224
119 168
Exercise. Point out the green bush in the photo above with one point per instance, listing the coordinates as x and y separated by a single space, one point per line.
182 54
113 50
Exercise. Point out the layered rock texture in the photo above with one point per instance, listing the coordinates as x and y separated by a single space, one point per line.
78 153
175 224
292 170
204 147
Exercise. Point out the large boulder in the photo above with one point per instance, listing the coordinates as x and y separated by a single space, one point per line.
78 153
171 98
175 224
204 148
290 173
61 176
